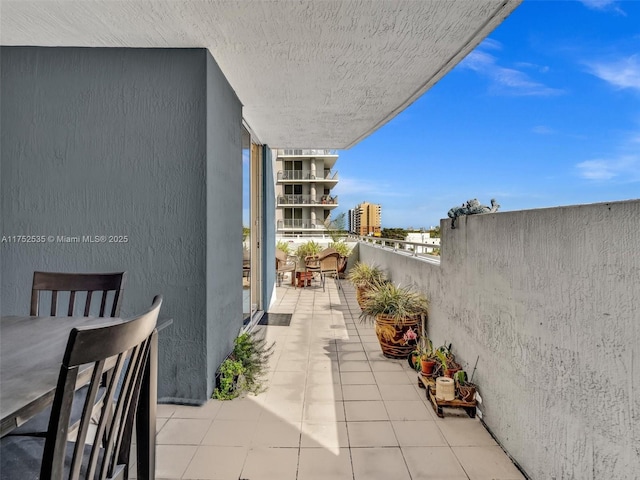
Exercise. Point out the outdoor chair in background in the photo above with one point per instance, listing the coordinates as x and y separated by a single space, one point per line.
127 344
285 264
325 263
76 286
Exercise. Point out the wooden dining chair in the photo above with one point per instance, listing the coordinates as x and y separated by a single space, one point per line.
54 458
85 284
107 286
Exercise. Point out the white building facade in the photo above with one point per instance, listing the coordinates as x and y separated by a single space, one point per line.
305 179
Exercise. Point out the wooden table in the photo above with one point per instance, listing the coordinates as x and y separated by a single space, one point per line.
31 351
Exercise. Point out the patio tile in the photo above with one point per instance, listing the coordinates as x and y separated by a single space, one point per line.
230 433
216 463
371 434
271 464
277 433
393 378
418 433
352 356
355 366
323 393
240 409
165 411
324 464
326 435
378 464
433 463
464 432
357 378
360 392
385 366
183 431
398 392
407 410
362 411
173 460
323 412
208 410
487 463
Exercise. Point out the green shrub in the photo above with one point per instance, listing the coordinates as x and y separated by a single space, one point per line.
244 369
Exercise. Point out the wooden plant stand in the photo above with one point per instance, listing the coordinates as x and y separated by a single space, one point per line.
304 279
429 384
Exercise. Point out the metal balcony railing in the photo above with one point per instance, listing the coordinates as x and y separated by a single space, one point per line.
307 200
307 151
307 175
300 223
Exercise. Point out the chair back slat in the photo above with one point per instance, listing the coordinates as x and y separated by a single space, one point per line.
54 302
73 283
128 345
72 301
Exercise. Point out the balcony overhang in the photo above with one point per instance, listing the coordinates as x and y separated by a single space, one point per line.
323 74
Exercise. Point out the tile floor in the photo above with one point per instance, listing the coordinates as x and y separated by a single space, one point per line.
335 409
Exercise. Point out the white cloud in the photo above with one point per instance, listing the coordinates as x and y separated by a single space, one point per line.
506 81
624 73
611 5
626 168
543 130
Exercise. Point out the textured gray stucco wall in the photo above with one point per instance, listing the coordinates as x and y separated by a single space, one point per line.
135 142
549 301
224 218
269 227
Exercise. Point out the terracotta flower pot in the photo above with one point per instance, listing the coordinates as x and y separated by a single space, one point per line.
427 366
448 372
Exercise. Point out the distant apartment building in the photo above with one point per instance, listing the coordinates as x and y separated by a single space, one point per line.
364 219
430 243
305 179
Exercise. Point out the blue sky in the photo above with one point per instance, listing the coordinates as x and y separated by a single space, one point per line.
545 112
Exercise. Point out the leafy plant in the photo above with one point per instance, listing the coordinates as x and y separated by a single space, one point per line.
230 372
284 247
362 275
394 301
243 370
341 247
306 249
336 227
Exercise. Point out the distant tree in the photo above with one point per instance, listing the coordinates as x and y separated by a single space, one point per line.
336 227
434 232
394 233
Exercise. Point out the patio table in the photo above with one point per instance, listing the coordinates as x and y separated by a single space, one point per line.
31 350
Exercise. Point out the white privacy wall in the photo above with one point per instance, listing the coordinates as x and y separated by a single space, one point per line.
548 301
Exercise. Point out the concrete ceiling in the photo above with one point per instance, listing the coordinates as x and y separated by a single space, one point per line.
322 74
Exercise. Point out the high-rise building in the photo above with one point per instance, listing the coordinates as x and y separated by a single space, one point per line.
305 178
364 219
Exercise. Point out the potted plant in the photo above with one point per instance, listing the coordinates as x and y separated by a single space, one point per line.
448 365
344 250
395 310
363 276
307 249
465 388
284 247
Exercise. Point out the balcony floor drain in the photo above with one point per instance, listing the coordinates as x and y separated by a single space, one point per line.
276 319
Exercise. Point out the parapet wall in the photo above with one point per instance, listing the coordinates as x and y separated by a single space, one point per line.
547 301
